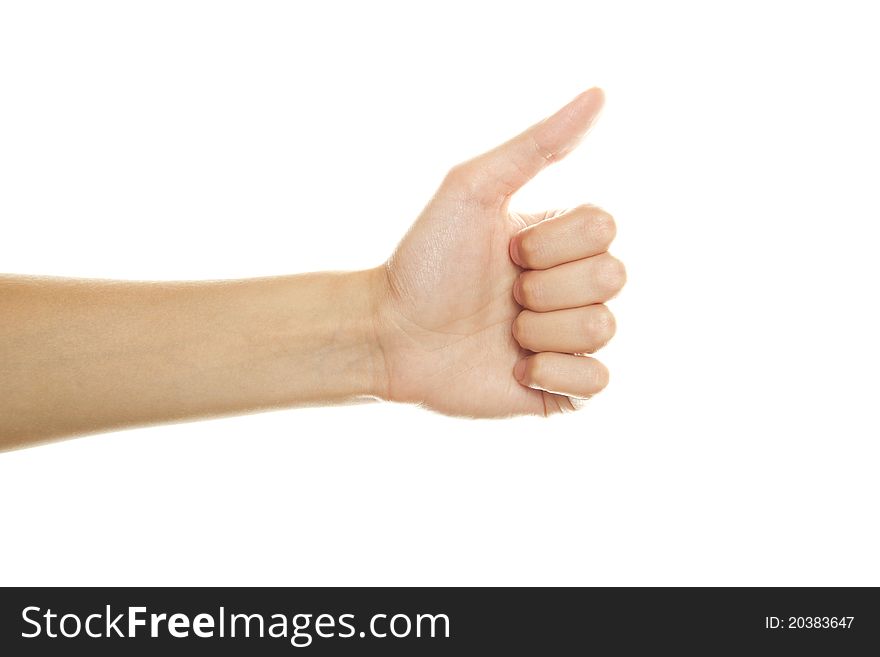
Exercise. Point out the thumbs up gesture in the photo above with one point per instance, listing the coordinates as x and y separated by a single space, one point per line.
480 312
486 312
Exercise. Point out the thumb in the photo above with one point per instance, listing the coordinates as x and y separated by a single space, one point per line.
506 168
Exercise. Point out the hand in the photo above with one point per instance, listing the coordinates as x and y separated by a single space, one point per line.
479 312
486 312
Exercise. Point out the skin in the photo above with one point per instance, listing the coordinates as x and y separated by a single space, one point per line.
479 312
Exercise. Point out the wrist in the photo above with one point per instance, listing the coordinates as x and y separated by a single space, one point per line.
318 336
366 298
336 335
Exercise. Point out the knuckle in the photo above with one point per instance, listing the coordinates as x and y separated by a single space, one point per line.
531 290
604 323
458 172
462 177
520 327
600 327
599 376
530 247
611 274
602 229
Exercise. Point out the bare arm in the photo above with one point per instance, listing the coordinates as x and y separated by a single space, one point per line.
480 312
80 356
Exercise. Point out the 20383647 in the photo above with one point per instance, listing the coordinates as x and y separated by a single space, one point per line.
808 622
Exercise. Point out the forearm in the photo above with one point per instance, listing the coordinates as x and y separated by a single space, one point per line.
79 356
479 312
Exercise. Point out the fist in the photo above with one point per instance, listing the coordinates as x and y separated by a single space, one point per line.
567 276
486 312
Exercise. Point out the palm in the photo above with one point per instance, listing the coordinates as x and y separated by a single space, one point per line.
453 309
450 306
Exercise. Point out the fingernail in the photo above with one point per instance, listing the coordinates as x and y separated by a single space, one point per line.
514 251
519 370
516 291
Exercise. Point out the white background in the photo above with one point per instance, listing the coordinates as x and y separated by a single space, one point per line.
738 441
